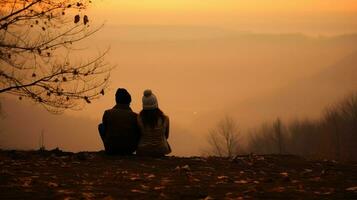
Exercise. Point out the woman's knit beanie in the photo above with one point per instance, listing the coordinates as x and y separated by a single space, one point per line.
149 100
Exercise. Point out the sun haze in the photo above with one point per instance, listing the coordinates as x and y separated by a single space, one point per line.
254 60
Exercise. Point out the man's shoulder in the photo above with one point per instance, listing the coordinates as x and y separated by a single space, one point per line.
115 110
108 111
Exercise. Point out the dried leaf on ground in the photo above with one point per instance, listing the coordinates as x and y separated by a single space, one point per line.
88 195
278 189
138 191
208 198
354 189
284 174
186 167
151 176
241 182
52 184
144 187
159 187
222 177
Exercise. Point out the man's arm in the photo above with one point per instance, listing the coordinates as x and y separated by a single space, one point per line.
102 126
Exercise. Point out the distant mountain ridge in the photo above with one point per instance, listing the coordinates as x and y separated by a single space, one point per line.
168 32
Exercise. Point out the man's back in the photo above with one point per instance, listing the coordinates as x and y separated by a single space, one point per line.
121 132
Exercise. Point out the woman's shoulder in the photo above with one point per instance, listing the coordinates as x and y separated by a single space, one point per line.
166 118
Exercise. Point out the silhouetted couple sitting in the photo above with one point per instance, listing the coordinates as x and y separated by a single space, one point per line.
124 132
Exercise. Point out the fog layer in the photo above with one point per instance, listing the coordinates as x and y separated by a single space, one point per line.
199 75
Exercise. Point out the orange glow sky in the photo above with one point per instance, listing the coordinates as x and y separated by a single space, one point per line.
307 16
231 5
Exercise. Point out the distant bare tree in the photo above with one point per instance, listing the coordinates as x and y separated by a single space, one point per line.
304 138
277 126
36 43
262 140
268 138
340 120
333 136
223 139
348 109
331 120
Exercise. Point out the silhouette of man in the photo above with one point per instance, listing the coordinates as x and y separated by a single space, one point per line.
119 130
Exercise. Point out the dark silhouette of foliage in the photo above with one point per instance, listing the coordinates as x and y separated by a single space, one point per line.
333 136
278 134
36 41
269 137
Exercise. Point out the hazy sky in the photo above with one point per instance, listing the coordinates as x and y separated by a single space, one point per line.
205 59
307 16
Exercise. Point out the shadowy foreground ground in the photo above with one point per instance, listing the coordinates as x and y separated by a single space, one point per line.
61 175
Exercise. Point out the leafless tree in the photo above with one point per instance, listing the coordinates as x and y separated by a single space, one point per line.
268 138
223 139
332 122
303 137
277 126
262 140
340 120
348 109
37 40
332 136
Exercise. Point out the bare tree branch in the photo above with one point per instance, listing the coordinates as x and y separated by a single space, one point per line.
36 43
223 140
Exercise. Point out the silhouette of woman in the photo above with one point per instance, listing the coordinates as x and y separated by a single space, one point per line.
154 127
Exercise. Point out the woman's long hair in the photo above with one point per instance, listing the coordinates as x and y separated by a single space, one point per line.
151 117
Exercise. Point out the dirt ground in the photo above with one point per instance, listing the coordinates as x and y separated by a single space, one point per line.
94 175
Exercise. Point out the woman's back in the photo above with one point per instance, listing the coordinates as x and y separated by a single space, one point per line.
154 128
153 141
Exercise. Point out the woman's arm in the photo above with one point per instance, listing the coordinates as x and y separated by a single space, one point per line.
167 128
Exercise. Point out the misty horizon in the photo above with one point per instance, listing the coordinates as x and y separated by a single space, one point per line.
250 60
233 68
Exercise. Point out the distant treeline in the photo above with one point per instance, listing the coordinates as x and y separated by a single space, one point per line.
333 136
